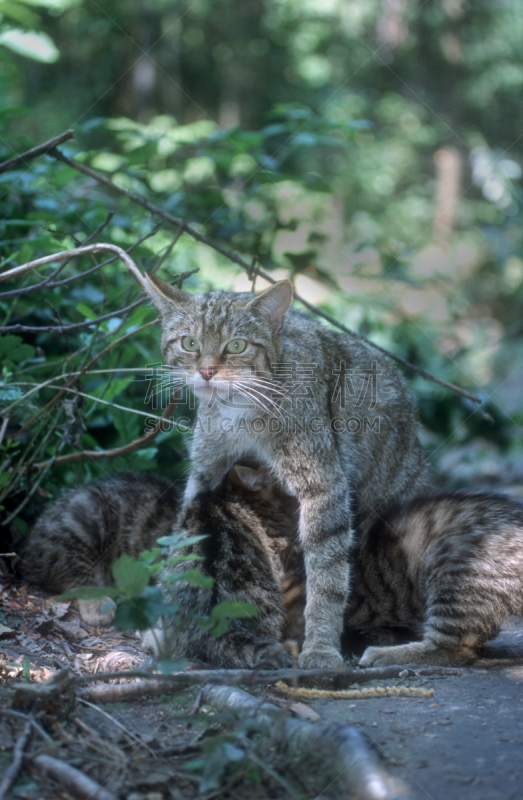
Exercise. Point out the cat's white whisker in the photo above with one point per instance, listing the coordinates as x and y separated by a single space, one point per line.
258 398
267 385
257 401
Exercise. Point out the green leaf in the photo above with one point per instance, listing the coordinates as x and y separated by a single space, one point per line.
166 666
142 613
131 577
193 577
176 539
85 311
233 609
12 348
107 391
135 615
88 593
219 627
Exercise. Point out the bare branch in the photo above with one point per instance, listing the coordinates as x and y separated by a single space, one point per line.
46 283
155 684
77 326
131 447
337 749
3 427
41 149
101 247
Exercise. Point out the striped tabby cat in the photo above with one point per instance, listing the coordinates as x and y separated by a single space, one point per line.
449 566
250 550
77 538
328 414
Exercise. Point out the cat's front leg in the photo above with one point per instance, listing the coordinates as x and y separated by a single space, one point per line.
325 535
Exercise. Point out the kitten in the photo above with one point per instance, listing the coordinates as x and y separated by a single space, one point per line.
329 415
250 550
448 566
78 537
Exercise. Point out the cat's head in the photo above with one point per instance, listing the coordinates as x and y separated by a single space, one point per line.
258 482
222 342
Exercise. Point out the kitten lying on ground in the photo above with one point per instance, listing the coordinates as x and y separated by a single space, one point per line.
77 538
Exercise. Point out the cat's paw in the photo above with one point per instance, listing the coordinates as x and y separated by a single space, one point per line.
320 658
272 657
413 653
97 612
152 641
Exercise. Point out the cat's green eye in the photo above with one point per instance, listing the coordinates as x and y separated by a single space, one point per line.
190 344
236 346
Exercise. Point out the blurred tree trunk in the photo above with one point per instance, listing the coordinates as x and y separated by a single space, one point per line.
448 190
145 32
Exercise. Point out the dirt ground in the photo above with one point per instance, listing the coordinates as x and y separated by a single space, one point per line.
464 742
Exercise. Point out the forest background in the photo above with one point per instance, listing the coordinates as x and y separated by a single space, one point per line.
370 150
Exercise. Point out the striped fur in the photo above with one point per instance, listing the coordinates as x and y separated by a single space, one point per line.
327 414
449 567
250 551
78 537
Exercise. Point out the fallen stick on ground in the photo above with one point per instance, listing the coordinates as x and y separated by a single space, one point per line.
71 779
337 751
18 757
153 685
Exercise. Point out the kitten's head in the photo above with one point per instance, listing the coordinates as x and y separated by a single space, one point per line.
223 343
257 483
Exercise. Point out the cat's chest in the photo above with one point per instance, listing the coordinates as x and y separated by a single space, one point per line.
231 431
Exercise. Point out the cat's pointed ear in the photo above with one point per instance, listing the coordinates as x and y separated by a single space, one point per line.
164 296
248 477
272 304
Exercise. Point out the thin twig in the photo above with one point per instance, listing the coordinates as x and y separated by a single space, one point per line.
117 724
81 394
18 757
77 326
39 150
249 269
3 428
100 247
131 447
9 712
154 684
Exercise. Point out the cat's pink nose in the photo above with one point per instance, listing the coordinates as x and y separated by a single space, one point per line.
207 372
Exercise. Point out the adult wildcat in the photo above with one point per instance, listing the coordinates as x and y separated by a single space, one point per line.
327 414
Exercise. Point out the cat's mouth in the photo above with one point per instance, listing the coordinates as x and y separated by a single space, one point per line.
219 386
